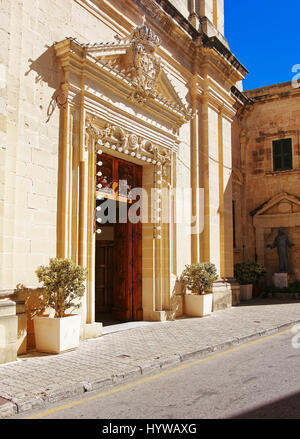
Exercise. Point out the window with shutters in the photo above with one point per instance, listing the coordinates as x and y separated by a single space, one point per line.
282 155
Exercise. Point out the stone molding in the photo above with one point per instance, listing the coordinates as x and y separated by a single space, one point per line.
120 140
130 67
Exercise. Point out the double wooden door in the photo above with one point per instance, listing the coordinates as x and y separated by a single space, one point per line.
119 261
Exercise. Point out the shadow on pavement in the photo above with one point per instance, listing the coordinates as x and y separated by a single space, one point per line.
266 301
285 408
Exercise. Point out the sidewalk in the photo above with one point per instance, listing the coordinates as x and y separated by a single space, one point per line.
36 380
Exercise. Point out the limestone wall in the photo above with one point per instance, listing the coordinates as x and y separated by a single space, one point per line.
33 124
29 126
274 115
29 129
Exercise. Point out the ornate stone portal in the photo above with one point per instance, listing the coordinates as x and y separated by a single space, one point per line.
127 106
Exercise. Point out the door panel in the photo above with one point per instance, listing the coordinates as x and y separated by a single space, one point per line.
122 296
104 276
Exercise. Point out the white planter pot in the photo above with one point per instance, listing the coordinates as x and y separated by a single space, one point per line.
246 292
57 335
198 306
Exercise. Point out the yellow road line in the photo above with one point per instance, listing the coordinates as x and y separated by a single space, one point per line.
154 377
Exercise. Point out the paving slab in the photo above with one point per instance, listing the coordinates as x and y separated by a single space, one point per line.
35 380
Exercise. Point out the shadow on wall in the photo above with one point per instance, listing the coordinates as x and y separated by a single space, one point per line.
31 299
176 301
48 72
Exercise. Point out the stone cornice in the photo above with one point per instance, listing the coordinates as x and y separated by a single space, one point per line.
243 104
155 6
167 17
240 96
215 96
208 42
210 60
272 93
221 49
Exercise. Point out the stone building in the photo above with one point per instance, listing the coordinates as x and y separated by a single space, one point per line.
266 168
144 91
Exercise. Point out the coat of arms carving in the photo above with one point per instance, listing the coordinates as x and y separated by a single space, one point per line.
146 65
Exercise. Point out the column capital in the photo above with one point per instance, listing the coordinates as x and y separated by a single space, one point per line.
195 87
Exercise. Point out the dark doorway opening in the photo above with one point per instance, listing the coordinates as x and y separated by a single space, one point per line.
118 262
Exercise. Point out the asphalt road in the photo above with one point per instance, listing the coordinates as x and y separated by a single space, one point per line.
260 380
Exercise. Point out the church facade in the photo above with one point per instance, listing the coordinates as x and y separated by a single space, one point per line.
134 108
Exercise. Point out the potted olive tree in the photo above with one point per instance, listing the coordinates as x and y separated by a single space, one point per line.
247 274
198 280
63 283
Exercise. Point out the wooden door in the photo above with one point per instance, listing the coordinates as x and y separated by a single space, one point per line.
137 305
104 276
127 246
127 296
123 259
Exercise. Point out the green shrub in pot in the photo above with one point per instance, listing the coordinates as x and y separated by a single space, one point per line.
249 272
199 278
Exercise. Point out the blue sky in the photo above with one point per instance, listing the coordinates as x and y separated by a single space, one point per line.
265 37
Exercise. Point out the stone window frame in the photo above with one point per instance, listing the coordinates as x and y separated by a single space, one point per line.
294 135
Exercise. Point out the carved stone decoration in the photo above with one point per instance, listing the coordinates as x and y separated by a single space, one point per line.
146 65
116 138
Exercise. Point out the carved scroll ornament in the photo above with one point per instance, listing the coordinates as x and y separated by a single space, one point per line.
116 138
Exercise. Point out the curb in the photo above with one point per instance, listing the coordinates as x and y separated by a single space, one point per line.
23 405
8 409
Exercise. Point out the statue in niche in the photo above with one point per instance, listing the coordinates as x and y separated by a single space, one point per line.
282 242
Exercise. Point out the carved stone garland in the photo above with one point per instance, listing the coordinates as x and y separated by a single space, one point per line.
117 139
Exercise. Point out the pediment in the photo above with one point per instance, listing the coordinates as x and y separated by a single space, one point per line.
280 204
132 69
166 90
143 71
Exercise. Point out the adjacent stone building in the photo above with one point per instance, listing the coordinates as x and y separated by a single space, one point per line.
143 91
266 171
